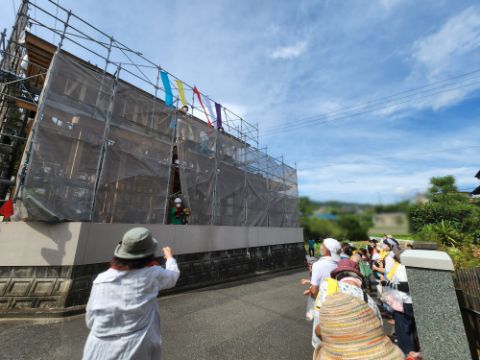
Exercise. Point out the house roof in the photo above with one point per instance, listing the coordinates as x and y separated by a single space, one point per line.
326 216
478 175
476 191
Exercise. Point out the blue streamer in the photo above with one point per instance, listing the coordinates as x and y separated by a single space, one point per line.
168 89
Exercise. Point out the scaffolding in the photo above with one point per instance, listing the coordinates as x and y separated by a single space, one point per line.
104 147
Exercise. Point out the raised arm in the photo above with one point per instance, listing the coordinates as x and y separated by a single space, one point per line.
169 276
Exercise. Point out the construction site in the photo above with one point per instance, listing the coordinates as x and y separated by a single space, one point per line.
92 141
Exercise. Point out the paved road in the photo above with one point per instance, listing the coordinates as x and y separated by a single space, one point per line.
261 318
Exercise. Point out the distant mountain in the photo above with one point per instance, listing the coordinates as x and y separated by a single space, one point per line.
335 207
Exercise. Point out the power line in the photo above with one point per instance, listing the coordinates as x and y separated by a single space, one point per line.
348 114
414 90
391 157
365 108
440 85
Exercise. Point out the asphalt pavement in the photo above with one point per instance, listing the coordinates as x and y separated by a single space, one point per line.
258 318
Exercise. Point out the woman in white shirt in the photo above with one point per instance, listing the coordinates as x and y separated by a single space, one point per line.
122 312
397 294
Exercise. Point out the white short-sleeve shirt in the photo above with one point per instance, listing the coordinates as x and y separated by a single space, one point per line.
321 270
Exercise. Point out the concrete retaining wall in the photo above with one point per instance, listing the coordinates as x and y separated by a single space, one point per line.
49 268
76 243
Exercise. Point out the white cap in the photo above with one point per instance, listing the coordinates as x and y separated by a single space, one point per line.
177 200
334 247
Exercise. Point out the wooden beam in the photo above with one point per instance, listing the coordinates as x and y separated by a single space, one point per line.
26 105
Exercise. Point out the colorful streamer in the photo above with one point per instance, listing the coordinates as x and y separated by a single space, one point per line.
6 210
199 96
209 108
218 109
181 92
168 89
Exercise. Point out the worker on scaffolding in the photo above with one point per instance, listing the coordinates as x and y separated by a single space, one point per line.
179 213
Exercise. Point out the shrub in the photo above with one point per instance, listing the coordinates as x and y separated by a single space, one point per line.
434 212
319 228
444 233
353 229
451 219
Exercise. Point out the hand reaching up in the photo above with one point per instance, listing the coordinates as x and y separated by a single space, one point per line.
167 252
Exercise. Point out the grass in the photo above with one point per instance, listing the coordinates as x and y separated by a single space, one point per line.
318 247
396 236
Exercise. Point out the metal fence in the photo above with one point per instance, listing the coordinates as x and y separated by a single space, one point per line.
467 284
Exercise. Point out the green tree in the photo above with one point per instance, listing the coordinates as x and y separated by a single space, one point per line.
319 228
353 229
401 206
442 185
307 207
450 219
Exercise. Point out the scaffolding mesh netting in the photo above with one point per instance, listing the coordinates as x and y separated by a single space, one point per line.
136 169
66 146
276 192
101 150
256 191
196 159
291 197
231 181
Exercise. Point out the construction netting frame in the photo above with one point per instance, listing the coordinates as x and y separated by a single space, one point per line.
226 182
256 188
102 149
231 181
291 196
67 142
196 149
103 142
135 174
276 192
98 145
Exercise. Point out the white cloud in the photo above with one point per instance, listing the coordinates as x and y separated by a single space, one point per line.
395 173
366 182
403 191
448 98
238 109
290 52
451 50
457 37
326 106
390 4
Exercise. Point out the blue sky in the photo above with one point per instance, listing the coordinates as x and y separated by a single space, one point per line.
279 63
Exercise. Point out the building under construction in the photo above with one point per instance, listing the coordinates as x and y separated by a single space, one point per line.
89 146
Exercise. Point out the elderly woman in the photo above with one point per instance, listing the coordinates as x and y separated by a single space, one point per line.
350 330
122 312
346 279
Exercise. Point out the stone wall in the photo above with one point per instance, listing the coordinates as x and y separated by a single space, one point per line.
34 287
62 290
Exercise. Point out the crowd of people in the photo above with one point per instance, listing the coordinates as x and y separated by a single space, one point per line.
353 292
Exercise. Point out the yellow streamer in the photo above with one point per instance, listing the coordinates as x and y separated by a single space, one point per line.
181 92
